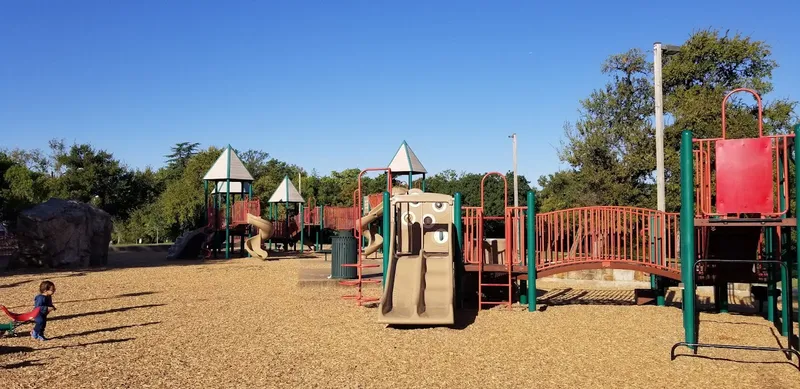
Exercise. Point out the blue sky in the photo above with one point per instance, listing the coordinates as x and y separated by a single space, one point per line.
337 84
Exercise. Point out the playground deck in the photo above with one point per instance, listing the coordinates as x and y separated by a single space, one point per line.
182 324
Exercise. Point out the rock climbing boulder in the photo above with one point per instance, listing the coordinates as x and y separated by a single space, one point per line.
63 233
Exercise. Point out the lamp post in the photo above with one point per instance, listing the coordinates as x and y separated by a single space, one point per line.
514 154
658 49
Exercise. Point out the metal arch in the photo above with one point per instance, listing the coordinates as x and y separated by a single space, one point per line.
760 110
505 189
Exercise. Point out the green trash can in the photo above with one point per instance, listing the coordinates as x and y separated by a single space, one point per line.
344 251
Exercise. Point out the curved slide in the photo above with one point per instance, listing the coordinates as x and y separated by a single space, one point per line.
375 239
265 229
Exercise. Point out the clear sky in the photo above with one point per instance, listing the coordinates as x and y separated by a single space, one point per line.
336 84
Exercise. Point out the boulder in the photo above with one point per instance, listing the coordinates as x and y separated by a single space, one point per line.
63 233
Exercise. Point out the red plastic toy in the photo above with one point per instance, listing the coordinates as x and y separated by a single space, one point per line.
17 319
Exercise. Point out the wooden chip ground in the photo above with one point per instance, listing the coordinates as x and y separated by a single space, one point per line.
246 324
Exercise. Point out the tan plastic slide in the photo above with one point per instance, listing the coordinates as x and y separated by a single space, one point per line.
419 286
253 244
375 239
371 232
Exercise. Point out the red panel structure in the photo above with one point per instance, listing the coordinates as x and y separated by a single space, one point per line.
744 176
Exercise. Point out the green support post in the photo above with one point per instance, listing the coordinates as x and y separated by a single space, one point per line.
228 207
205 201
531 251
459 257
216 220
687 233
321 226
249 228
302 229
786 271
387 216
772 287
272 219
797 226
786 300
423 182
410 180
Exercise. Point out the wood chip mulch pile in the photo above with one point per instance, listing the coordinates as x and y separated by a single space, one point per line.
246 324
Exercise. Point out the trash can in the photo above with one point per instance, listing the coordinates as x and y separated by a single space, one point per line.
344 251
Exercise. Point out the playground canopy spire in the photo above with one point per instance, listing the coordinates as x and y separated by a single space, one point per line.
220 170
286 193
405 161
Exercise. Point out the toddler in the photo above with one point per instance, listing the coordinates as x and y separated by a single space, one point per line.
44 301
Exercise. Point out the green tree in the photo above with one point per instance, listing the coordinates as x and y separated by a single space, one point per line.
707 67
182 199
95 176
611 147
181 153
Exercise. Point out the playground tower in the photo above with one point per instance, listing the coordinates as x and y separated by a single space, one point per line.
230 201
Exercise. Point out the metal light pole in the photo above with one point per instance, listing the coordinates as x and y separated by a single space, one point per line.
662 202
659 103
514 153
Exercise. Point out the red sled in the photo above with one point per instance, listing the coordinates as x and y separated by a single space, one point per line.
17 319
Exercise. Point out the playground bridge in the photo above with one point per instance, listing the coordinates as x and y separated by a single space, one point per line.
576 239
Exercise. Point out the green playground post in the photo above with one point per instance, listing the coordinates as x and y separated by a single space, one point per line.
249 228
228 208
272 219
321 226
410 180
216 219
772 287
797 226
205 201
531 251
387 216
302 228
687 238
786 271
423 182
459 255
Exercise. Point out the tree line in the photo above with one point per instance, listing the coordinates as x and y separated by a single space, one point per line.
609 149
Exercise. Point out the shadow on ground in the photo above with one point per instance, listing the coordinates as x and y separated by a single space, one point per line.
107 329
104 312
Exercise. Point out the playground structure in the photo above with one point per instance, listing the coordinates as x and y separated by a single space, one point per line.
419 278
736 233
227 207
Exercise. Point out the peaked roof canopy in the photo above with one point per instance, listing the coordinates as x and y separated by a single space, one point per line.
221 168
286 193
405 161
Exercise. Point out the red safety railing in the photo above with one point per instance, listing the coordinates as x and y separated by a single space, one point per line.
339 218
515 235
597 237
239 211
473 234
745 156
360 265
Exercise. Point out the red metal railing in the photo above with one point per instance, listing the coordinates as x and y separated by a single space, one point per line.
360 265
606 235
473 234
706 170
239 211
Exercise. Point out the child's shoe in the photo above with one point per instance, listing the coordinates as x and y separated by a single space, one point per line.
36 336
